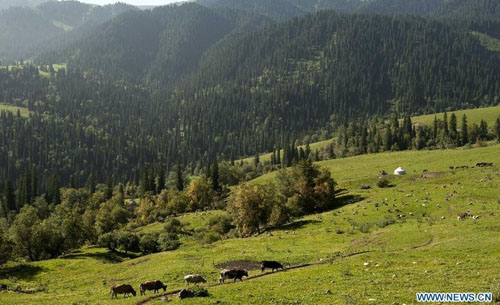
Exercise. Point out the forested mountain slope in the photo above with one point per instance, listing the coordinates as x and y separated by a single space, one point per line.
239 95
4 4
161 44
26 31
21 28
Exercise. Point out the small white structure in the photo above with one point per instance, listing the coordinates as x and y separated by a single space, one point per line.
399 171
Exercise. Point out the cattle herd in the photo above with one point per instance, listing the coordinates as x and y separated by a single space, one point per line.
155 286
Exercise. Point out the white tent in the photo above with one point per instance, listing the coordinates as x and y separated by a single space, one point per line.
399 171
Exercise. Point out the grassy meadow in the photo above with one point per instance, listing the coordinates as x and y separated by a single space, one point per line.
489 114
9 108
427 250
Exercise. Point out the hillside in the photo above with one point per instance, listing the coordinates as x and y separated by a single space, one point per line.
162 44
30 30
236 89
474 116
405 256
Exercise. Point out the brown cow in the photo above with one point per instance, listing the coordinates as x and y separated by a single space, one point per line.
194 279
152 285
232 274
124 289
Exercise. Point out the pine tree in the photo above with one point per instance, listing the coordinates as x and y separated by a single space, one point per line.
160 183
483 131
256 159
307 152
388 138
53 191
464 133
109 187
435 129
215 176
91 183
9 196
453 129
445 125
179 179
497 129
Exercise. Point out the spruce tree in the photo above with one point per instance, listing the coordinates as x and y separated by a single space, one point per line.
91 183
435 129
453 129
464 132
256 159
109 187
307 152
9 196
53 191
179 179
388 138
497 129
483 131
215 176
445 125
160 183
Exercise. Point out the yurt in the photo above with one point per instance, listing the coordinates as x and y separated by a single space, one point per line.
399 171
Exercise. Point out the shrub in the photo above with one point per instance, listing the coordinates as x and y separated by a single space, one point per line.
109 241
149 243
173 225
221 224
383 183
128 241
168 241
386 221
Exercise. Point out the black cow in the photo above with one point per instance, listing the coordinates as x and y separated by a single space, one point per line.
273 265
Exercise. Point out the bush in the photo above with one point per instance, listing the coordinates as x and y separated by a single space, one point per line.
386 221
149 243
221 225
128 241
109 241
383 183
207 237
168 241
173 225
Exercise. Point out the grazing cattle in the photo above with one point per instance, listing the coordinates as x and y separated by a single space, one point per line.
464 215
365 187
152 285
232 274
484 164
273 265
122 289
194 279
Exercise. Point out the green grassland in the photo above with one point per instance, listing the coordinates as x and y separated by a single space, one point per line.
489 42
489 114
56 67
267 157
24 111
429 251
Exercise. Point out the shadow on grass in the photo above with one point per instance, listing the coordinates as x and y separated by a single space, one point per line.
296 225
347 199
109 257
24 272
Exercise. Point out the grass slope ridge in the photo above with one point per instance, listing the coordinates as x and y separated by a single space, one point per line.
424 252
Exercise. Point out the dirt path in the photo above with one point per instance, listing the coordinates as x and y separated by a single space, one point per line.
253 277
